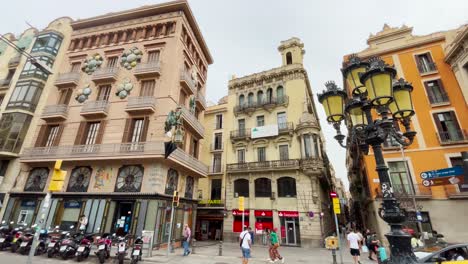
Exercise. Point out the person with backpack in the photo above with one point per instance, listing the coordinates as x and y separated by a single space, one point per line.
274 254
245 243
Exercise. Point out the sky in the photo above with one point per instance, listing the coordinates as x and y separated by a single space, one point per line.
243 35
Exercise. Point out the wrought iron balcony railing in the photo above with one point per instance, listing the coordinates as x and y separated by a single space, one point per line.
240 134
427 67
453 137
55 112
263 165
67 79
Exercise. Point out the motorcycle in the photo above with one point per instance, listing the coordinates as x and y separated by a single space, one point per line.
27 238
17 237
6 236
84 248
136 251
121 248
55 238
69 245
104 244
41 247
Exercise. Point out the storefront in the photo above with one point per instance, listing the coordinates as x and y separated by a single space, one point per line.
237 223
290 233
22 209
263 221
210 220
412 222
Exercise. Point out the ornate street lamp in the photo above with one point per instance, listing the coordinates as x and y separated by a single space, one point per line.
375 89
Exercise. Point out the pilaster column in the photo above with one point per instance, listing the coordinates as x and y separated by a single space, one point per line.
153 31
80 43
115 37
72 45
143 32
98 40
134 31
124 36
164 29
88 43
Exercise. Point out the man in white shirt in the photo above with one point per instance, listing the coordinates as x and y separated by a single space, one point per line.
245 242
353 244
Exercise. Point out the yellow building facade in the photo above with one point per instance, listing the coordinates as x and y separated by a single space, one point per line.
440 122
270 151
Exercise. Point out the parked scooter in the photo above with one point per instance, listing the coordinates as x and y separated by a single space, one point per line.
122 242
136 251
85 247
55 238
26 240
17 237
69 245
6 235
104 244
41 247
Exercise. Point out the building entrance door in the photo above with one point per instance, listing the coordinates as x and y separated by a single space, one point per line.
123 218
291 233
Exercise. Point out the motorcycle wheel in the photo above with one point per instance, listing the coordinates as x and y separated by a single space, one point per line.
133 261
2 246
79 258
14 247
101 257
50 253
64 256
22 251
121 258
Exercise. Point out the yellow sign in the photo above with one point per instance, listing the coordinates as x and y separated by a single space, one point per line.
58 165
336 206
55 186
241 203
331 242
59 175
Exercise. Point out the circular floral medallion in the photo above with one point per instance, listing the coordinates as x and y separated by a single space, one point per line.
92 63
130 58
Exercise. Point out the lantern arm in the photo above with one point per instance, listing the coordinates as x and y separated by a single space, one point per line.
339 136
404 138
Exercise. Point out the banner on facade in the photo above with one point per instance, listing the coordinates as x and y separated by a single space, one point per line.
263 213
288 213
264 131
237 212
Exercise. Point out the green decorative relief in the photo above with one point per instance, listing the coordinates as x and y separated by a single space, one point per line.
92 63
130 58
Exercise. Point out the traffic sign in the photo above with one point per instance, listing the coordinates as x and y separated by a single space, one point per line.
453 171
443 181
336 206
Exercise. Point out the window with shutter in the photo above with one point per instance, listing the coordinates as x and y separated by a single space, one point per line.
241 156
425 63
284 152
261 154
448 127
435 92
112 62
104 93
52 133
153 56
91 133
80 133
147 88
75 67
65 95
128 125
219 121
216 162
40 136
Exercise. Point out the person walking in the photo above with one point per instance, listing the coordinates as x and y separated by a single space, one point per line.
186 242
83 222
353 244
274 254
245 243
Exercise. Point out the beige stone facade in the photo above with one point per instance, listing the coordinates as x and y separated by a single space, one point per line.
121 75
456 50
272 153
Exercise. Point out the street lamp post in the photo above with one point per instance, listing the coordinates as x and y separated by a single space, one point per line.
373 87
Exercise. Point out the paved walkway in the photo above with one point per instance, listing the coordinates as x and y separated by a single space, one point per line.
207 253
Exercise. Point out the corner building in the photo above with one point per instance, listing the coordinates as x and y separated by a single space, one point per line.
274 154
121 76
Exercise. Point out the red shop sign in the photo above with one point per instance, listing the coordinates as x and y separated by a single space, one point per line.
236 212
288 213
264 213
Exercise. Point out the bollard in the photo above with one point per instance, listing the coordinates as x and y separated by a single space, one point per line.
172 245
193 246
220 252
334 256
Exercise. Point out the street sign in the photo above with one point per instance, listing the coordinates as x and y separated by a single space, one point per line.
443 181
453 171
336 206
241 203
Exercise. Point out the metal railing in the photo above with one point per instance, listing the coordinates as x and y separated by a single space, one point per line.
55 110
453 136
240 134
189 161
68 77
427 67
192 120
215 169
285 127
141 102
148 67
264 165
312 162
106 73
266 102
186 77
200 98
95 106
217 147
440 99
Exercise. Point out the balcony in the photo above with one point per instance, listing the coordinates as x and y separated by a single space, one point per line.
105 74
141 105
215 170
408 191
273 165
95 109
217 147
200 100
441 99
458 136
312 165
192 122
457 193
150 69
67 79
267 104
187 82
241 134
189 162
286 128
5 84
14 62
426 68
55 113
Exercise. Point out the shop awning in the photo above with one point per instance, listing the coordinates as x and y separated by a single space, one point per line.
236 212
263 213
288 213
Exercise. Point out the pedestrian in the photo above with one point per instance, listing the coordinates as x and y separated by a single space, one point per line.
252 236
416 241
186 242
373 246
83 222
274 254
353 244
267 236
245 243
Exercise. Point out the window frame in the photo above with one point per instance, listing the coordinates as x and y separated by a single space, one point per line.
284 190
260 120
22 92
261 154
263 188
219 121
239 188
53 38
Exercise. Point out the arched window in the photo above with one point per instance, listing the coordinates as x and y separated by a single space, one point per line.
288 58
189 187
269 95
280 94
241 100
260 97
250 99
241 187
172 181
286 187
262 187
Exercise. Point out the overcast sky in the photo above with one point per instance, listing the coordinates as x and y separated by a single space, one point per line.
243 35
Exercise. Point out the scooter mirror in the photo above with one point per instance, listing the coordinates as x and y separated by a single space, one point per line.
72 226
12 222
3 221
57 227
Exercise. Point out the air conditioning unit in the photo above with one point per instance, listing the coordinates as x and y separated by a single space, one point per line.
273 196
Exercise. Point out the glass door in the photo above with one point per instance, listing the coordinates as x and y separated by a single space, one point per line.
291 233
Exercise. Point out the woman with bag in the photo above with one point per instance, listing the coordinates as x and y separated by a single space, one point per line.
274 254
